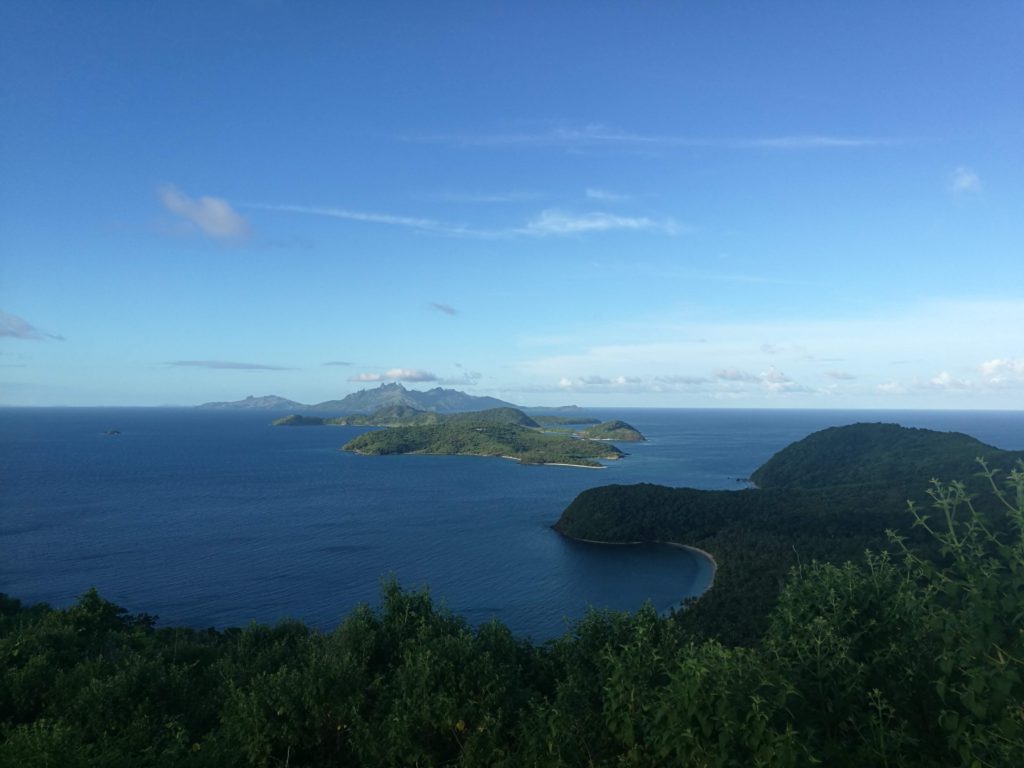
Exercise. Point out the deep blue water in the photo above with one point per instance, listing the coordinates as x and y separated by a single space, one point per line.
217 519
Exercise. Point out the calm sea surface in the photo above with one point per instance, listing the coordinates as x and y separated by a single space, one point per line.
216 518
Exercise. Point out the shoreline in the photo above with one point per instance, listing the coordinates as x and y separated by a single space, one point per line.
703 554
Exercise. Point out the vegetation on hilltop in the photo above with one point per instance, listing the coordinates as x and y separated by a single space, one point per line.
484 438
913 660
388 416
616 430
879 454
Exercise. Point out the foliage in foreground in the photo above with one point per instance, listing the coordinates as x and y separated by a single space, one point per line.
902 660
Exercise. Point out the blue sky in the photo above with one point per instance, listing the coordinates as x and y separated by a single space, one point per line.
680 204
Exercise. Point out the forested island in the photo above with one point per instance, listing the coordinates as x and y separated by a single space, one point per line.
909 655
616 430
472 438
505 432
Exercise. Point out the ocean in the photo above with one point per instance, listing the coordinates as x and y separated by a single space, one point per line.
217 519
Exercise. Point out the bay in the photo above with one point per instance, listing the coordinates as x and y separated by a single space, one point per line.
218 519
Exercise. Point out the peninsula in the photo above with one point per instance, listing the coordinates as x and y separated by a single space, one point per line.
828 497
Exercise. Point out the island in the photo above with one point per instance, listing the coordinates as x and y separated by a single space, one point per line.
506 432
828 497
618 431
366 401
468 437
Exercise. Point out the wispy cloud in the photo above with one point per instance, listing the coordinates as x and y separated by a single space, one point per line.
487 197
732 374
395 374
596 135
687 381
468 378
840 375
605 195
226 365
214 216
14 327
771 380
368 217
443 308
555 222
965 181
631 384
337 362
549 222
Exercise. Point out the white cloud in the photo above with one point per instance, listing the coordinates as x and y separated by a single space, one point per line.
965 180
946 380
840 375
1002 371
771 380
396 374
14 327
930 335
213 215
595 383
627 383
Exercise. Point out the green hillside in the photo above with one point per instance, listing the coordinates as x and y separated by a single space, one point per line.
861 454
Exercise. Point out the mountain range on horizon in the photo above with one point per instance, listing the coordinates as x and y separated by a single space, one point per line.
438 400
